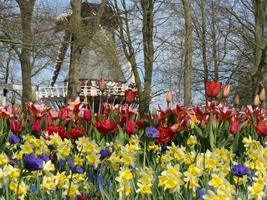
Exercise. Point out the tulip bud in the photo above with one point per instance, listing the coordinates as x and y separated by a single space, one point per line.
236 99
169 96
262 95
102 84
257 100
226 90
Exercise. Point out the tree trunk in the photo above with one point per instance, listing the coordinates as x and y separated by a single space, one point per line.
203 44
188 53
259 12
75 27
26 12
147 10
214 43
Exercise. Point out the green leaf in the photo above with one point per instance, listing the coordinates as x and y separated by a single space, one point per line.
198 131
121 135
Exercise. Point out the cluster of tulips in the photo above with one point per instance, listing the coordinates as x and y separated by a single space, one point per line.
212 151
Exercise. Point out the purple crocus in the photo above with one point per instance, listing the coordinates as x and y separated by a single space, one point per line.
200 193
32 163
13 139
99 182
152 132
104 153
34 189
240 170
44 157
75 169
164 148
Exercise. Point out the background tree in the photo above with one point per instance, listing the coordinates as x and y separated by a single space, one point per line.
188 53
26 13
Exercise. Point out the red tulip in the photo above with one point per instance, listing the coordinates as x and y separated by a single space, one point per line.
130 127
261 129
54 129
38 110
130 95
85 115
63 113
140 124
165 135
213 88
107 126
36 126
15 126
77 132
234 126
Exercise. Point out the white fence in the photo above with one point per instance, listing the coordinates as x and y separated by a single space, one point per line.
112 89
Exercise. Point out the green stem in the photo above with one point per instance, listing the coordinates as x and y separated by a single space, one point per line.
7 192
17 190
211 134
71 176
144 158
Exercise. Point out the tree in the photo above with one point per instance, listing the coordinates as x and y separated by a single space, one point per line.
147 13
143 85
260 44
26 13
75 24
188 53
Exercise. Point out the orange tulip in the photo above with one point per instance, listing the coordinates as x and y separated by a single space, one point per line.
169 97
237 99
262 95
257 100
102 84
226 90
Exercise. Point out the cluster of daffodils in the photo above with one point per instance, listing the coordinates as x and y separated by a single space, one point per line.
59 168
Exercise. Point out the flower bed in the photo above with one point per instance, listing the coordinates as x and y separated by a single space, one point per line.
202 152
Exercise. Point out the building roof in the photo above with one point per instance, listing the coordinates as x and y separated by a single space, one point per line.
109 19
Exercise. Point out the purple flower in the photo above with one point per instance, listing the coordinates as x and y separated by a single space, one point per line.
34 189
200 193
32 163
104 153
75 169
44 157
238 153
152 132
99 182
240 170
13 139
163 148
13 160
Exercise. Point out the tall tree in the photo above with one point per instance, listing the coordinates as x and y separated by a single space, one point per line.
26 13
130 52
260 44
147 12
188 53
214 42
75 25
